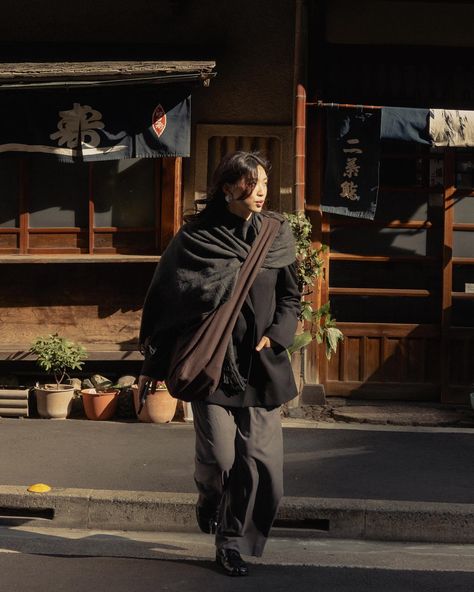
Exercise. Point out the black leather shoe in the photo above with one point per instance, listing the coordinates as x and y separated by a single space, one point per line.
231 562
206 517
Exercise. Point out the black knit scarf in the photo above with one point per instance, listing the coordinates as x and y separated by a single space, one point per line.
198 271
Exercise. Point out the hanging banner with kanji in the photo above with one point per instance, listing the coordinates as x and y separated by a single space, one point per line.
101 124
352 162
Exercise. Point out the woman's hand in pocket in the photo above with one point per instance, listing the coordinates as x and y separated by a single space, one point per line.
264 343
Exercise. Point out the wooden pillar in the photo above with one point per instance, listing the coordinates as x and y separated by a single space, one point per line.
24 240
316 363
300 147
447 278
171 199
91 235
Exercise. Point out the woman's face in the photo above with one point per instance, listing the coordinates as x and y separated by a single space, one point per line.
254 202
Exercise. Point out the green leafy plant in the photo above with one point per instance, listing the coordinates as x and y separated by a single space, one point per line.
309 266
57 355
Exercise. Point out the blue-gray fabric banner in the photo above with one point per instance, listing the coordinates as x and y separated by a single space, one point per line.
100 124
403 123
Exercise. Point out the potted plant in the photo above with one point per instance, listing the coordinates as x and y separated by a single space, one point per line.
314 323
56 355
101 401
159 406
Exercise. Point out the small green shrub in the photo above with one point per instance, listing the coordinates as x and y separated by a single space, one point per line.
57 355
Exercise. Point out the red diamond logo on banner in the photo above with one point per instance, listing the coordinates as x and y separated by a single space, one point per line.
159 120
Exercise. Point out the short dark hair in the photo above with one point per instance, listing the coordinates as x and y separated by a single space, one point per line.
233 167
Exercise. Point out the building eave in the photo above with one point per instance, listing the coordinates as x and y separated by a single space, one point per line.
29 75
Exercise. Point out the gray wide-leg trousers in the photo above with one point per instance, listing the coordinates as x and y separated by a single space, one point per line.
239 468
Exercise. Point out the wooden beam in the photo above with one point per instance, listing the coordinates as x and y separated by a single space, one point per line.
419 259
463 260
390 330
417 224
390 292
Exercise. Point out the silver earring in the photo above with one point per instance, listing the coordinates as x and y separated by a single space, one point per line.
228 198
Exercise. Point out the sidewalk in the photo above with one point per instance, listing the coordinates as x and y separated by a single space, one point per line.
349 480
387 413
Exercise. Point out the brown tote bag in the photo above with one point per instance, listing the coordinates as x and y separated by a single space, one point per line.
197 359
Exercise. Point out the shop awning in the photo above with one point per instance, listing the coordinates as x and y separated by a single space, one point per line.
98 110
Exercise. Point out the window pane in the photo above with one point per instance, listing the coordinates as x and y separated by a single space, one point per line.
9 193
463 243
57 194
463 313
462 275
369 309
464 172
357 274
401 172
378 241
401 206
464 209
124 193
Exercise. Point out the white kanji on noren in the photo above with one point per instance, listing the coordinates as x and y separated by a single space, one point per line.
349 190
352 168
80 119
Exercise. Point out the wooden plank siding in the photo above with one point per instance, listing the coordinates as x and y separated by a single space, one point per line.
381 360
98 305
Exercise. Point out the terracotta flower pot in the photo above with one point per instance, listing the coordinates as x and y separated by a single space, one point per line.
159 407
54 403
99 405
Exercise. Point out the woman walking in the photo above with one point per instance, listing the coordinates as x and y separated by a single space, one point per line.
239 453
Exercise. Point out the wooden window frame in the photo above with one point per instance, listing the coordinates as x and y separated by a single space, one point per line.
168 207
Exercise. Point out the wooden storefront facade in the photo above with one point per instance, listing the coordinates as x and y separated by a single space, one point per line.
402 286
399 286
79 241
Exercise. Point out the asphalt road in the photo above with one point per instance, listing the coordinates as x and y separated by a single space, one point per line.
74 561
337 463
39 574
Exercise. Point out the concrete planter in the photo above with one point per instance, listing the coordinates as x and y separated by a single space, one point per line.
54 403
13 401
